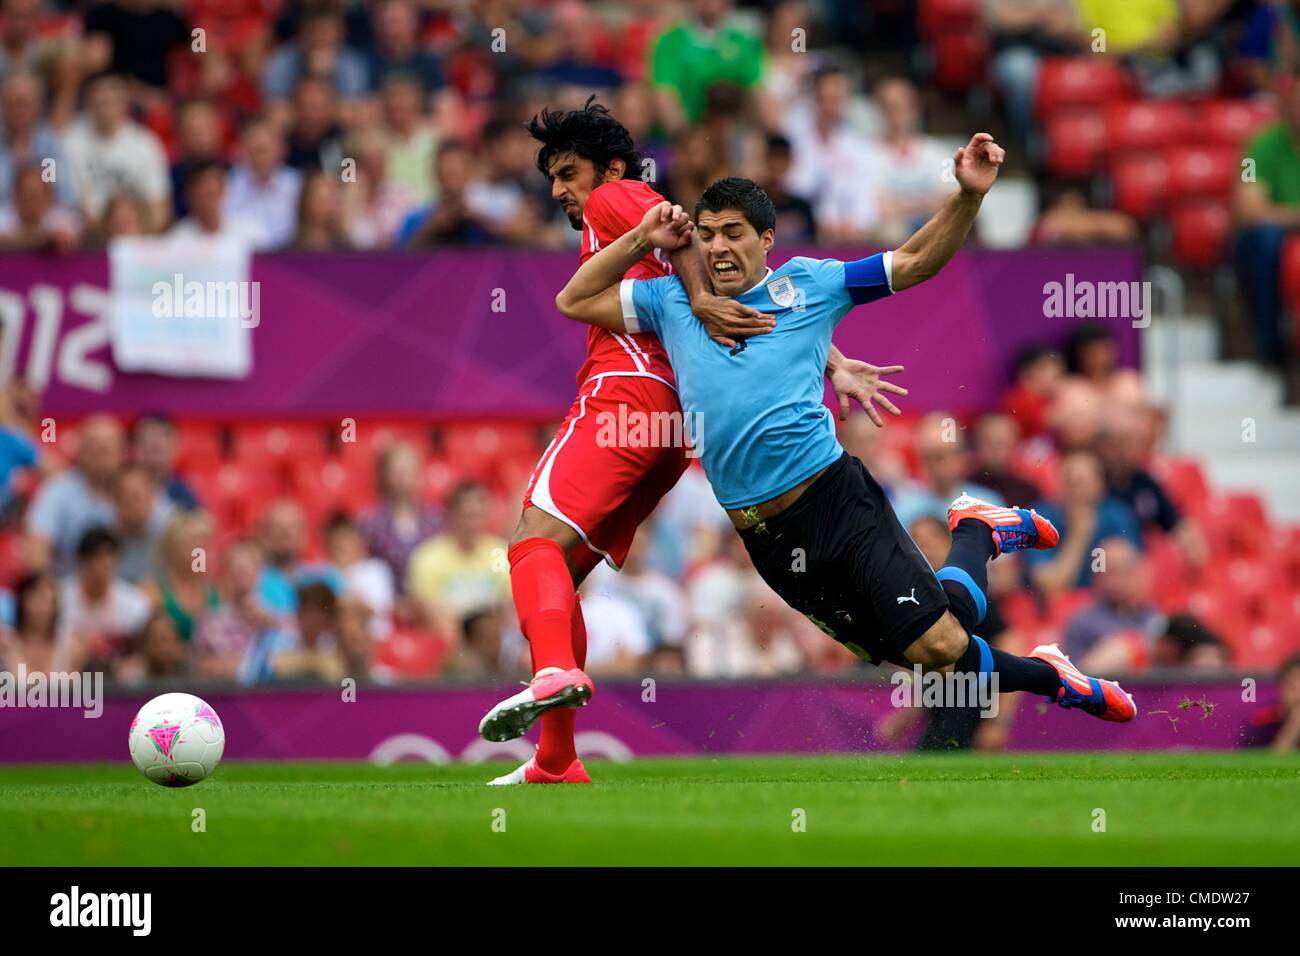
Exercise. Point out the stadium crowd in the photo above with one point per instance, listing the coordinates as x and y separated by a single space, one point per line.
397 123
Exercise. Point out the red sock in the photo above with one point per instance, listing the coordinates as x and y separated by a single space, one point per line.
543 593
555 750
578 634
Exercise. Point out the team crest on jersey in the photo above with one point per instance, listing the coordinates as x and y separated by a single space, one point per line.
783 291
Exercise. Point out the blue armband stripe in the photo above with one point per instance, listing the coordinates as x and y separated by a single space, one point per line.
866 280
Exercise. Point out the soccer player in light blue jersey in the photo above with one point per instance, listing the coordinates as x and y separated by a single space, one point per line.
817 524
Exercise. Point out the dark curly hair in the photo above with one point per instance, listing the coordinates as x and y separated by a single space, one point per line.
743 195
590 132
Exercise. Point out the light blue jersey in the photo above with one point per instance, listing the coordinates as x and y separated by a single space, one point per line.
759 421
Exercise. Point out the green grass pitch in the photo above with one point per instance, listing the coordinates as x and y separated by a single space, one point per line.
1166 809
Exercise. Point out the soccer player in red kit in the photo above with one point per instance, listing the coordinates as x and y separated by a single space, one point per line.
587 496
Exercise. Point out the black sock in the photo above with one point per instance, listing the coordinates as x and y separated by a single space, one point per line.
965 572
1014 673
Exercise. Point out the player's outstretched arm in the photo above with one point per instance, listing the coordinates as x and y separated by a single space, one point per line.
976 166
591 296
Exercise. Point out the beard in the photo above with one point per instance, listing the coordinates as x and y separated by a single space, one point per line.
575 217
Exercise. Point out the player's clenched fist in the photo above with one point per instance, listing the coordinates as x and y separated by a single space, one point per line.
665 227
976 164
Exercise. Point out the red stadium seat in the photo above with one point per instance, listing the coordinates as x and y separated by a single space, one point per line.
1076 142
1247 525
324 487
1199 171
961 60
206 484
160 118
1020 609
1287 547
1067 605
465 442
1237 522
1283 616
1200 232
1038 462
1146 124
936 18
198 445
1248 509
1170 597
1208 510
1065 82
1167 573
279 442
1261 647
372 436
513 474
230 24
241 491
437 480
899 440
1140 181
1252 584
1232 122
525 458
491 452
12 566
1218 612
1183 479
411 654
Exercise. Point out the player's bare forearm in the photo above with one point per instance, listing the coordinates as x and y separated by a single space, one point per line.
689 266
834 360
931 246
975 167
591 296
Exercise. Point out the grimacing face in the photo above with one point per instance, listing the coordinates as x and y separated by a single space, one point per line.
734 251
574 178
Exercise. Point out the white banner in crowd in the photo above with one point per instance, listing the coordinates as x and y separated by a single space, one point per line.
182 306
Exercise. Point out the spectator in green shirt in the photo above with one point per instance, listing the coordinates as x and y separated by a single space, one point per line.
1267 209
696 52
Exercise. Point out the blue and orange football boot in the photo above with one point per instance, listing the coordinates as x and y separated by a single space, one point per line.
1014 529
1101 698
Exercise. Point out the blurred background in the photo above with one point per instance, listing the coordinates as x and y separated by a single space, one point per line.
248 542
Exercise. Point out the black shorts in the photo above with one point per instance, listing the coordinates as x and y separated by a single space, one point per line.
840 556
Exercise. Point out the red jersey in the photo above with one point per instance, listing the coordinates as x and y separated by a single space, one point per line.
612 210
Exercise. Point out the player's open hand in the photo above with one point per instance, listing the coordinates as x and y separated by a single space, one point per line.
665 227
726 320
865 383
977 163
